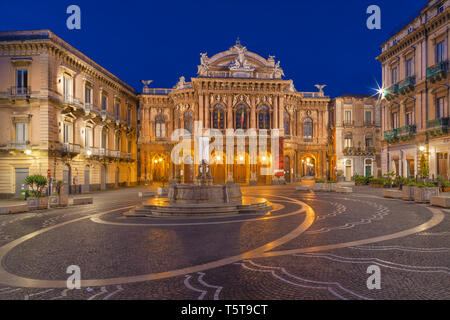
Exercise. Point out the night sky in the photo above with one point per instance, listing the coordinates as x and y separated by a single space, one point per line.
324 42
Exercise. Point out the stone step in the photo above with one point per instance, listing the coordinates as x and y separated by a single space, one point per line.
18 208
442 200
392 193
341 189
80 201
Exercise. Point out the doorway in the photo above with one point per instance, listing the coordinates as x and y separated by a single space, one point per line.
87 179
66 179
348 170
21 175
287 169
442 159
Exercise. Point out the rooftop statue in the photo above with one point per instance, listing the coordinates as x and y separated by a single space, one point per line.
240 62
204 64
277 71
320 87
181 83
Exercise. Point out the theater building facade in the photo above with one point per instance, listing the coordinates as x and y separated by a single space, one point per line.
239 93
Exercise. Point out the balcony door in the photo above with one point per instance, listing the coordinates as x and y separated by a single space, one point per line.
442 164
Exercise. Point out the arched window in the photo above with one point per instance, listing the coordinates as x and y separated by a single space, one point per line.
287 124
241 117
218 117
308 128
188 121
264 117
160 123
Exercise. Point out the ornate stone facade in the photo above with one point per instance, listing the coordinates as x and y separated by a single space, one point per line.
415 111
355 125
63 116
236 89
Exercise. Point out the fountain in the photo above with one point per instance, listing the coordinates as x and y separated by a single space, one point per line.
203 198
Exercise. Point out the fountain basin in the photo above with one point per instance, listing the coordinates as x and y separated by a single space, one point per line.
198 200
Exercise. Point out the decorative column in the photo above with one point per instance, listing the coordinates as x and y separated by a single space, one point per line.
200 108
275 113
281 115
253 113
230 112
207 111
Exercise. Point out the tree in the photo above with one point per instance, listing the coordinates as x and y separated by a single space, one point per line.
37 184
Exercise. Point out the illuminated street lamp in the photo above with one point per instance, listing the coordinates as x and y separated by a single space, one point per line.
89 152
422 148
28 152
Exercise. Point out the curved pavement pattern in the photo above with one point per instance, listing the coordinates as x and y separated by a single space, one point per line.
310 246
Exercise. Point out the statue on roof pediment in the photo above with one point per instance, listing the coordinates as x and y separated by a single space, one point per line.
277 71
240 62
204 64
181 83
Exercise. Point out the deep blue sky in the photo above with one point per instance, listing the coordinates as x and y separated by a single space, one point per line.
317 41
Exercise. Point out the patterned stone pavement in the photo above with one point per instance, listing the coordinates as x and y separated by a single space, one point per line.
311 246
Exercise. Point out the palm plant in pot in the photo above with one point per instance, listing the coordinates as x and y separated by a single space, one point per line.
59 199
444 186
37 199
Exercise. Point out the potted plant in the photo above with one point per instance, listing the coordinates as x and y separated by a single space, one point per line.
389 178
378 182
59 199
37 200
319 185
424 191
408 191
331 185
444 186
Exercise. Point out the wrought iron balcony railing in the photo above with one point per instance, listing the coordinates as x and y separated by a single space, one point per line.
71 148
348 123
438 126
407 86
358 151
18 145
400 134
438 71
391 92
20 92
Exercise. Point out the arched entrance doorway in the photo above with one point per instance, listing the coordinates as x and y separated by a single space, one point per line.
159 168
67 176
308 166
